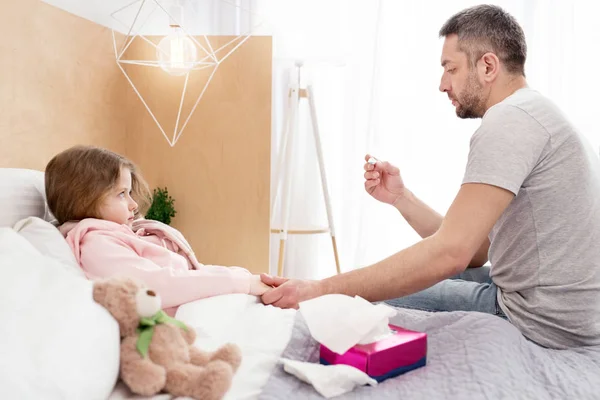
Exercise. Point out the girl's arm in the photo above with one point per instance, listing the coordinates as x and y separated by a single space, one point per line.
102 256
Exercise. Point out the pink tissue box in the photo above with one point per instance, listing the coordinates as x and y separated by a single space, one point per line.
391 356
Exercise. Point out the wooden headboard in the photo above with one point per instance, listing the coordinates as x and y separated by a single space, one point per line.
61 87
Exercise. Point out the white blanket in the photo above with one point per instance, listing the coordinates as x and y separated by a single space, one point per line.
55 341
262 332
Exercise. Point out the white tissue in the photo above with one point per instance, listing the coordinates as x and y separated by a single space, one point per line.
340 322
328 380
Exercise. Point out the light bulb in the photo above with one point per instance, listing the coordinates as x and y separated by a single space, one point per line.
176 52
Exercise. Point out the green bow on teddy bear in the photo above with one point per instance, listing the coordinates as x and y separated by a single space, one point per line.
146 329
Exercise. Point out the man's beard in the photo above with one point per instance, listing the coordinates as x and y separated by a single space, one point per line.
471 103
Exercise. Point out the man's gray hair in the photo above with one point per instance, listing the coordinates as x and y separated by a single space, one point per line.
486 28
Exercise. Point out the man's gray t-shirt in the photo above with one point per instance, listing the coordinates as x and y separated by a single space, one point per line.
545 247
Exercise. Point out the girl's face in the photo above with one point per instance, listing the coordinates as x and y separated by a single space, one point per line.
117 205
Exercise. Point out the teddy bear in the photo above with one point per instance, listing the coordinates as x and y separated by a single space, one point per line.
157 351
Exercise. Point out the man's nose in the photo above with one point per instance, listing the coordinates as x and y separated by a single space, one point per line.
444 87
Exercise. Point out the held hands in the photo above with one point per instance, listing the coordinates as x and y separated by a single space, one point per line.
383 181
288 293
257 287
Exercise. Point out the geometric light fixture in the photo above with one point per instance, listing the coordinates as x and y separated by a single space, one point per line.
176 32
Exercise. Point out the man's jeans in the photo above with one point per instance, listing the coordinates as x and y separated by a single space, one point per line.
472 290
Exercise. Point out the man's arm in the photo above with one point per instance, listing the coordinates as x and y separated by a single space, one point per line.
441 255
426 221
422 218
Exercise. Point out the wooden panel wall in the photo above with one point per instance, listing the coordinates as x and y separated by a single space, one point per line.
59 85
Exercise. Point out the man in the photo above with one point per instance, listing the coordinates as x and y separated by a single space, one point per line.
530 199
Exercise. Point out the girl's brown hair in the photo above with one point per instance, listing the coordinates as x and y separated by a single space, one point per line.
78 178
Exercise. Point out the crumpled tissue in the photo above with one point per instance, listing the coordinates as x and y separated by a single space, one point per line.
328 380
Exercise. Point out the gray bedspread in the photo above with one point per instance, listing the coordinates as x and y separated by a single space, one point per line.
470 356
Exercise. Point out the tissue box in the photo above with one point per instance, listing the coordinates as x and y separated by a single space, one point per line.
391 356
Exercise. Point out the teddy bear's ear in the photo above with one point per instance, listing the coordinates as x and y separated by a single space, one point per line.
100 291
107 287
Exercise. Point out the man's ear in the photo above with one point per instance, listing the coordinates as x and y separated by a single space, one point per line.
488 67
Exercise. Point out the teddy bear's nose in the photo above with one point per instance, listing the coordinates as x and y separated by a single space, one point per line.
150 293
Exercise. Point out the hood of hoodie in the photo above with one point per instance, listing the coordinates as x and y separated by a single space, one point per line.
90 224
75 231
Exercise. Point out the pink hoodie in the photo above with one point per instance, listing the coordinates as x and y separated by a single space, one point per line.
153 253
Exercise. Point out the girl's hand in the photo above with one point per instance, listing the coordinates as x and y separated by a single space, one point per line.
257 287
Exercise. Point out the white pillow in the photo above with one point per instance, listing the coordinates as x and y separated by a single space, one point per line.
55 341
48 240
22 194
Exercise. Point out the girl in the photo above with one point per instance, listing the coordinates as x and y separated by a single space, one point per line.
94 195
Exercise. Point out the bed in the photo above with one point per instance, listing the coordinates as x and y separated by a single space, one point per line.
59 344
471 356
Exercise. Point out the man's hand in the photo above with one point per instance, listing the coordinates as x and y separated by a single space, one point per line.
383 181
287 293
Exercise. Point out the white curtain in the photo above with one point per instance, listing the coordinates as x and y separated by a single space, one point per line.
375 68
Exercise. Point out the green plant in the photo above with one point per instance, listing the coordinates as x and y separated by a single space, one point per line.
162 208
